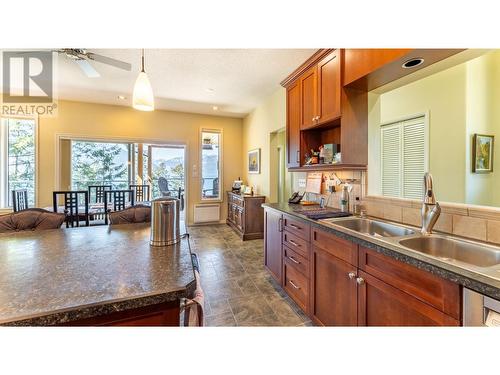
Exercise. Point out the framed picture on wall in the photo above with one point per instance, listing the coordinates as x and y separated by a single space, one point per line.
482 153
254 161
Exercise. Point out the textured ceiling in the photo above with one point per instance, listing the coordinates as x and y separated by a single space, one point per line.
187 80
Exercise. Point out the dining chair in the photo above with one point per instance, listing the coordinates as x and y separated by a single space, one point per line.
19 200
116 200
141 192
72 206
99 193
139 213
163 186
30 219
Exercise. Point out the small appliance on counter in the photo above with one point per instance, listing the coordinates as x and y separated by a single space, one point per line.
165 228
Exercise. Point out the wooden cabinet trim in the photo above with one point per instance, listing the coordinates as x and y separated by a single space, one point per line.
311 61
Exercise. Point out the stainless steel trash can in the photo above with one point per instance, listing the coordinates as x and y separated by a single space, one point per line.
165 228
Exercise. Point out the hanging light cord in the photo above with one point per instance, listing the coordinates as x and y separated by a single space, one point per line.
142 62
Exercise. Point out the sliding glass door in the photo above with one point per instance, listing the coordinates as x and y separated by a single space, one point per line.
100 163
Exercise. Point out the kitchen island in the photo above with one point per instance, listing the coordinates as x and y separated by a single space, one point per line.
102 275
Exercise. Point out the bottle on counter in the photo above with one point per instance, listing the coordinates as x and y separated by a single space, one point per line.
356 209
344 199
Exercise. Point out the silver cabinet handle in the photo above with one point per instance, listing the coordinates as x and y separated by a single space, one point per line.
294 243
352 275
298 156
280 225
293 284
295 226
360 281
293 260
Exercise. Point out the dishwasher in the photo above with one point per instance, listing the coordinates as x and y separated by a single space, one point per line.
480 310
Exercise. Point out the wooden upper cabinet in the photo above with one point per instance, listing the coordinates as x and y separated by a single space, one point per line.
308 98
361 62
329 88
293 125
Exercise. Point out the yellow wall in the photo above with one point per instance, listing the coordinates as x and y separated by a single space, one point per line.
461 101
442 96
267 118
115 122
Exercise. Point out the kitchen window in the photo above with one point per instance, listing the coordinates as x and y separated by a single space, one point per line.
404 157
211 176
18 158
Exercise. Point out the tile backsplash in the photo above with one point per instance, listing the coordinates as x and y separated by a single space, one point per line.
475 222
470 221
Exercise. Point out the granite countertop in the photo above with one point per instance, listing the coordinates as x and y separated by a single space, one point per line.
468 278
58 276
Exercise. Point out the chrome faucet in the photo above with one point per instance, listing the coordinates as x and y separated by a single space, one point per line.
430 208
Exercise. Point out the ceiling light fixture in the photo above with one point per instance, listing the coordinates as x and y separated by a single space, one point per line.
412 63
215 108
121 97
209 89
143 98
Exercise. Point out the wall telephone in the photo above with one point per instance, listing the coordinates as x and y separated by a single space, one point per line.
296 197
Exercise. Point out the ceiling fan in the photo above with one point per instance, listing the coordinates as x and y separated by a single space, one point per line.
82 58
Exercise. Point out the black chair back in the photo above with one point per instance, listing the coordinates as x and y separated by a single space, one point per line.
19 200
141 192
163 186
73 206
99 192
116 200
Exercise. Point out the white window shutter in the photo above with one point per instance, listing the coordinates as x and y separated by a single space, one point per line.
414 149
391 160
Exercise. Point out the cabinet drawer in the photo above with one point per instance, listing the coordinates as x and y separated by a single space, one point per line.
239 201
296 227
296 285
343 249
297 261
434 290
296 243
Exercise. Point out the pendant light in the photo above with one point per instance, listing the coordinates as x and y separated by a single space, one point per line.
143 98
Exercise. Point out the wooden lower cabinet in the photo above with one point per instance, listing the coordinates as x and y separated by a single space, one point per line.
380 304
245 215
162 314
333 290
338 283
273 253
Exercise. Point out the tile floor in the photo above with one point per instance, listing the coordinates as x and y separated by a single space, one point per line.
238 290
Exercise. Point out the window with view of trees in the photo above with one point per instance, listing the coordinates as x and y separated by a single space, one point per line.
99 163
17 148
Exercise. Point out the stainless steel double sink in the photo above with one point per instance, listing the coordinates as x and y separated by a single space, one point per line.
470 255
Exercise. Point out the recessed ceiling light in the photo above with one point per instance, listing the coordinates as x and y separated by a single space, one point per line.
412 63
209 89
215 108
121 97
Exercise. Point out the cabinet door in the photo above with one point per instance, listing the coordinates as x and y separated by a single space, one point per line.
333 290
380 304
293 125
239 218
329 88
230 212
308 98
273 250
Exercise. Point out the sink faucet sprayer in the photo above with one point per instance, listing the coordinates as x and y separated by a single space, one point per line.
430 208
